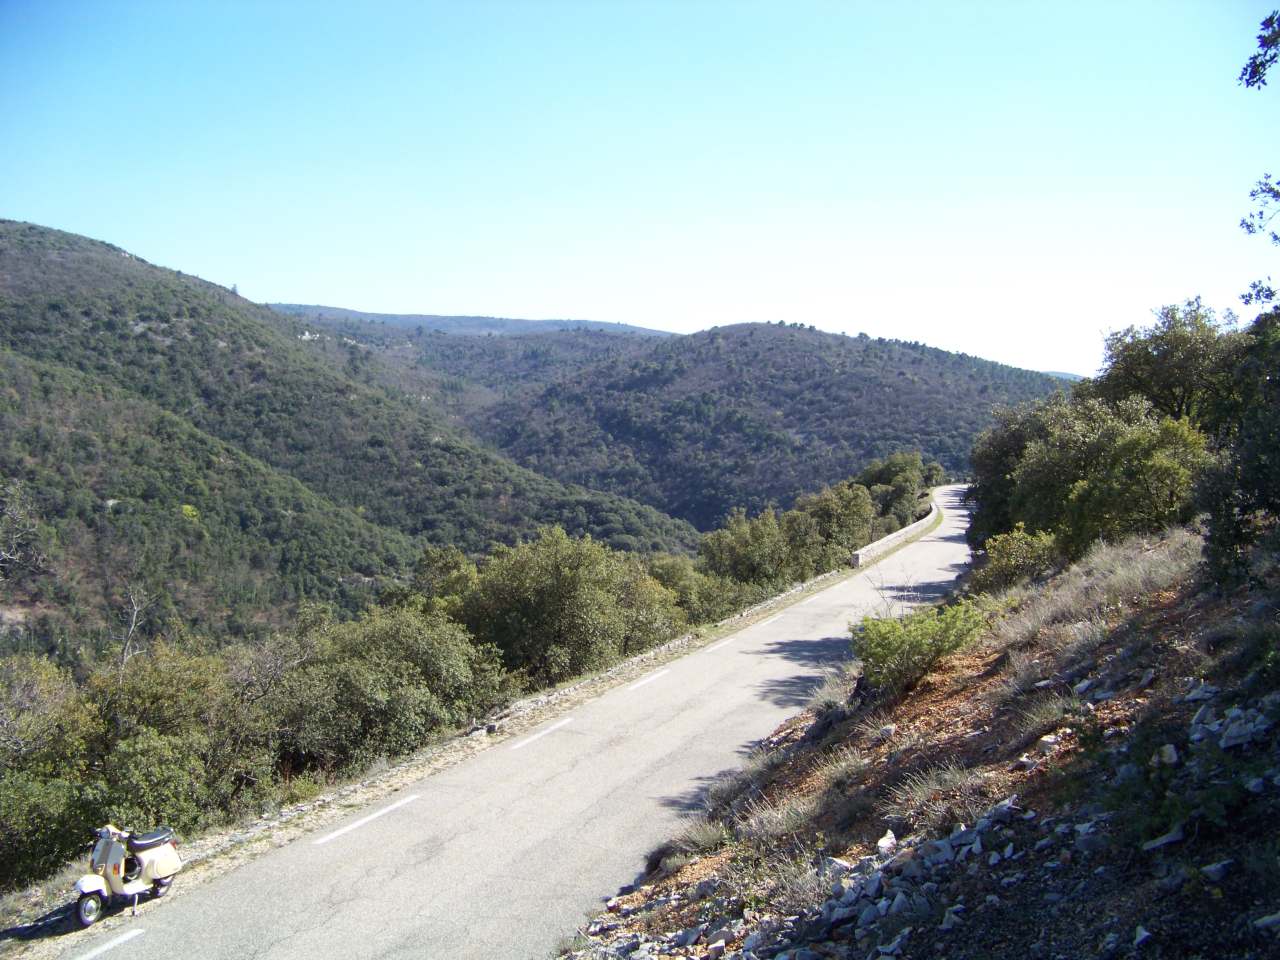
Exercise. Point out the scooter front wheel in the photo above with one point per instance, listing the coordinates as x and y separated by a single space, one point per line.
88 909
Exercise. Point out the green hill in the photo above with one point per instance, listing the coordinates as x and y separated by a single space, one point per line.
227 370
135 498
744 415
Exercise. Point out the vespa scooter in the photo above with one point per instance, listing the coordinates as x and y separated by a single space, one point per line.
125 865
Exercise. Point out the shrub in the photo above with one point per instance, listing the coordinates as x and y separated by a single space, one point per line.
897 653
1014 556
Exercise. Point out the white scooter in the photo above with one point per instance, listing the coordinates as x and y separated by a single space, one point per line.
125 865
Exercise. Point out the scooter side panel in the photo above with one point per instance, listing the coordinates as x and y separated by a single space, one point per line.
162 862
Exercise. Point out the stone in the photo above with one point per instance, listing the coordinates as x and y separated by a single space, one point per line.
886 732
613 905
1166 756
690 936
1256 785
1148 677
894 947
1201 691
887 844
1214 872
1141 935
1237 734
1271 922
1173 836
1047 744
837 867
716 950
900 903
993 859
1004 811
869 915
939 852
873 885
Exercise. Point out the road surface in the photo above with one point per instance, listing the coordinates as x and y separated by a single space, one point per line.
503 855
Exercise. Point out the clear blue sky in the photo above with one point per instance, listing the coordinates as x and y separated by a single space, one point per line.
1010 179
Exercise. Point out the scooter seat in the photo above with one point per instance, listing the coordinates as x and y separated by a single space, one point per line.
146 841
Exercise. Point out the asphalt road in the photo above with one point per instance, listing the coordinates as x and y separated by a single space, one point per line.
503 855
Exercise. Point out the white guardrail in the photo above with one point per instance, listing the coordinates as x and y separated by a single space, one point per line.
885 544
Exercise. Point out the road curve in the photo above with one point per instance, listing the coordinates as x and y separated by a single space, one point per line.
504 854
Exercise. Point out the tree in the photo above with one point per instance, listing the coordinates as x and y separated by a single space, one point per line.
557 606
19 533
1184 365
1266 192
1103 472
1255 69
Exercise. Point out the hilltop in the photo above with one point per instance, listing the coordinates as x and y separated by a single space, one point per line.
692 425
465 325
749 414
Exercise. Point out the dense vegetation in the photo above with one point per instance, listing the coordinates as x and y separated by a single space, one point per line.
171 436
751 414
130 497
738 416
1184 418
180 730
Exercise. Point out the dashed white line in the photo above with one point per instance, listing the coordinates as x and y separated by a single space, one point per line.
112 944
363 820
648 679
540 735
765 623
722 643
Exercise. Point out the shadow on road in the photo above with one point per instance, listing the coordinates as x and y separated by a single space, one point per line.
795 690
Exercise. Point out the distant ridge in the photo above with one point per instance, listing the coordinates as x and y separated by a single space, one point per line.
471 326
1073 377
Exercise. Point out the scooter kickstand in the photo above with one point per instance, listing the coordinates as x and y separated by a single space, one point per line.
135 904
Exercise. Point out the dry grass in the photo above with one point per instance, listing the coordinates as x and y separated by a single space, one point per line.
937 796
1108 579
841 769
763 822
702 836
1048 713
731 791
832 693
795 884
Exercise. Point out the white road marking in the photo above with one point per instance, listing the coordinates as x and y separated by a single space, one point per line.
805 603
112 944
722 643
648 679
539 736
765 623
363 820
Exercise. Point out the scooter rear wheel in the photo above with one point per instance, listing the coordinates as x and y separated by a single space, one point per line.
88 909
161 887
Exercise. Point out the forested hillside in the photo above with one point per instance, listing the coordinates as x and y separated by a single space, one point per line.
745 415
163 392
131 498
